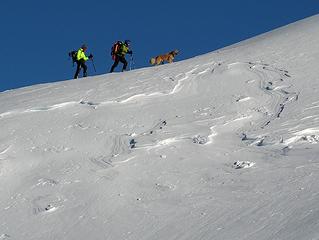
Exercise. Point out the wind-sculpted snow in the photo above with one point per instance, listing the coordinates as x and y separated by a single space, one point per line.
221 146
185 126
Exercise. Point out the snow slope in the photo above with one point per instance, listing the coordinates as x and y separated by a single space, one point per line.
221 146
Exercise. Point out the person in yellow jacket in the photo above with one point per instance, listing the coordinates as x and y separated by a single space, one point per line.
81 58
119 55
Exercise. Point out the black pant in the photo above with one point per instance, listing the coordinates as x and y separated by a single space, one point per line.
80 64
116 62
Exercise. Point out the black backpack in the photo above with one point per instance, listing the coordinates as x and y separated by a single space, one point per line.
73 54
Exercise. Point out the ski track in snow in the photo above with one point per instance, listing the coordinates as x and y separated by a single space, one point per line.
268 77
271 81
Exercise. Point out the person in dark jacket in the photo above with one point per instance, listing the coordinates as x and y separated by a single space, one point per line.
119 55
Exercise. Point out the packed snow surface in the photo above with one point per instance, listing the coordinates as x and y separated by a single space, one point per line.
221 146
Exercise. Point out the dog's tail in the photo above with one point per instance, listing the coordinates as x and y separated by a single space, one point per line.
152 61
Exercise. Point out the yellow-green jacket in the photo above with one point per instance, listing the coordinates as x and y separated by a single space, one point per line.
81 55
123 50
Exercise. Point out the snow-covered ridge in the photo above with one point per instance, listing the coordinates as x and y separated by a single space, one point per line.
221 146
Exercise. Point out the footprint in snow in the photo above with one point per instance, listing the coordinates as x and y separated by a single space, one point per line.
48 208
243 164
46 204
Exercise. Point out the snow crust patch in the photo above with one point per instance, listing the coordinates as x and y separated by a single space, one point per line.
310 135
243 164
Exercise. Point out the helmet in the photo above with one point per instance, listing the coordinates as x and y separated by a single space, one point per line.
84 46
127 42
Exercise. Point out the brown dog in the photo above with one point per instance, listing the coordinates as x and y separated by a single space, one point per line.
168 57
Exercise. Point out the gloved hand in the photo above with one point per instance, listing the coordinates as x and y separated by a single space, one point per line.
91 56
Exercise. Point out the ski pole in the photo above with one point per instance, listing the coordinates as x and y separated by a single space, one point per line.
93 64
131 62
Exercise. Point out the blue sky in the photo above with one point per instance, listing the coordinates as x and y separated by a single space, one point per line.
36 35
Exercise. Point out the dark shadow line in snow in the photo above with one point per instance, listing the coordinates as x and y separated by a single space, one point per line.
270 88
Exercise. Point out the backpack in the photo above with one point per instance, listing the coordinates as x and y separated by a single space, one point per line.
116 48
73 54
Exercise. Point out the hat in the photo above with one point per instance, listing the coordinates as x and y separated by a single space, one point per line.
84 46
